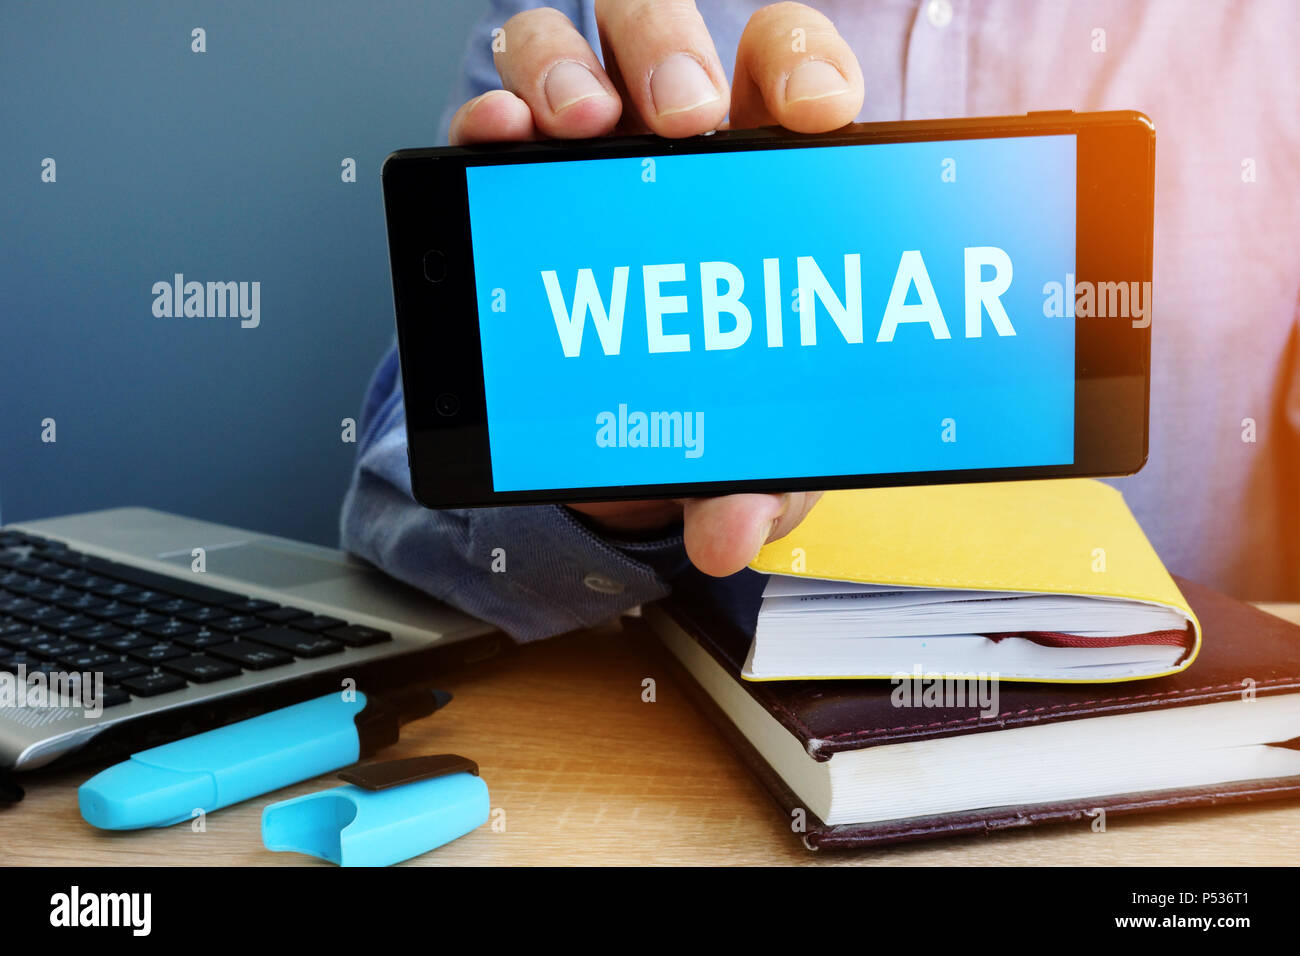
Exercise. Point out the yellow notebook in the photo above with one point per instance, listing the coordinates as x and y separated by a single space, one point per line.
1031 580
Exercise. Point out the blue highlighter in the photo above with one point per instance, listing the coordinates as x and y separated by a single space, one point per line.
167 784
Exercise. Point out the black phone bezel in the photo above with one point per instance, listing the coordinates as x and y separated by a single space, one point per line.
426 207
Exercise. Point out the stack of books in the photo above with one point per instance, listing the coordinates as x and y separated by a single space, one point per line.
922 662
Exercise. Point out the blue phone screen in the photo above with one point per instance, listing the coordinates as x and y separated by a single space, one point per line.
781 313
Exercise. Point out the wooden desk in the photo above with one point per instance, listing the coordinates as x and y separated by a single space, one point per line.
587 773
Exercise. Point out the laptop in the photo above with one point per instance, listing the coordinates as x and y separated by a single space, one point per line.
179 640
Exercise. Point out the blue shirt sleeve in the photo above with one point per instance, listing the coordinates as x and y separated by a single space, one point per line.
532 571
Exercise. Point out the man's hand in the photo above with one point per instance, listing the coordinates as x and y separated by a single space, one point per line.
792 69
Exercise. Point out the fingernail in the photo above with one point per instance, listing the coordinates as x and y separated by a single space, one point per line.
570 82
771 530
812 81
679 84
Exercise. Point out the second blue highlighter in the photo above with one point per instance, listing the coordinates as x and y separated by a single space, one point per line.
165 785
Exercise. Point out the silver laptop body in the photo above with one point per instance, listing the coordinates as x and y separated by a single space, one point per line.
316 580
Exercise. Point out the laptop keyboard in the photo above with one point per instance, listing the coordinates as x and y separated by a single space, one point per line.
62 610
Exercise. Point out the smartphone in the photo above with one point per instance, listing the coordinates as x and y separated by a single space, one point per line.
759 310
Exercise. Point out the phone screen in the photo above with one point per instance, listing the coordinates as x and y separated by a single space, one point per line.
777 313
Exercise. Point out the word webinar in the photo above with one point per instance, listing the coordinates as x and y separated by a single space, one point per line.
722 285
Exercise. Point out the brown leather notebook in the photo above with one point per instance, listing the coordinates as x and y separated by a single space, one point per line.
851 767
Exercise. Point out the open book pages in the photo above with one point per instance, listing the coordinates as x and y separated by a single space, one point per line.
810 627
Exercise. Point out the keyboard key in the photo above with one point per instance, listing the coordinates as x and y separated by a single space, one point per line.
59 594
110 590
150 685
138 622
116 673
68 623
113 610
97 632
295 642
43 591
15 604
74 559
47 668
5 652
67 575
250 606
169 629
317 622
129 641
17 539
201 637
40 613
18 586
82 602
113 697
145 596
254 657
357 635
157 653
24 658
80 579
170 605
89 660
281 614
204 615
25 639
238 624
57 647
201 669
35 588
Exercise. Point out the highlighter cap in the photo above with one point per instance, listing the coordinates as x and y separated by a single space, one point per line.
389 812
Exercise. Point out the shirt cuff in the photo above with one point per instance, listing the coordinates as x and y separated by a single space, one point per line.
560 575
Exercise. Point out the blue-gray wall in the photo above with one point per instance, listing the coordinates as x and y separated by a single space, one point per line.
223 166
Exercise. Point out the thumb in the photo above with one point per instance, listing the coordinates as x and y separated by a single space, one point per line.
722 535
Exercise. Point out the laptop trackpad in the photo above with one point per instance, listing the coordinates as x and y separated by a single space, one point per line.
267 566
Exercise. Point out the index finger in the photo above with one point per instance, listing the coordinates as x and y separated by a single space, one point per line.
661 57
